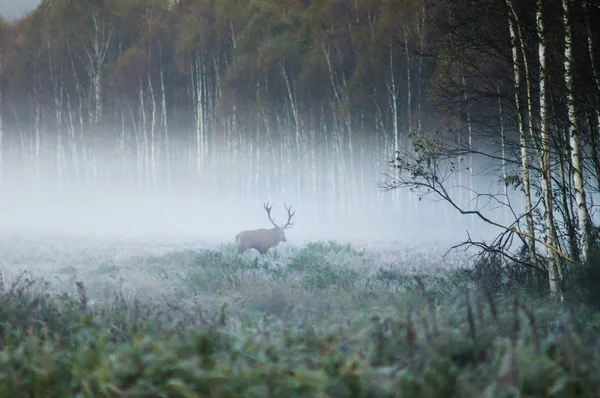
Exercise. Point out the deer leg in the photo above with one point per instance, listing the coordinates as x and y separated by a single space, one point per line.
262 250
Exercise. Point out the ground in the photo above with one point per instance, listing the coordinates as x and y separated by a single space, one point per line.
153 266
191 318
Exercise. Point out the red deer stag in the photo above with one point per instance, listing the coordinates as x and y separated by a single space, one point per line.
264 239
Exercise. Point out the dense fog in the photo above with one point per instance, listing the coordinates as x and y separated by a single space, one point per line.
216 210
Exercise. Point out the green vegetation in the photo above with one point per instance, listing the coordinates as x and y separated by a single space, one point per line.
325 319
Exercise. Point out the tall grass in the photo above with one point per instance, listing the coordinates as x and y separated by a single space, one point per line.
323 320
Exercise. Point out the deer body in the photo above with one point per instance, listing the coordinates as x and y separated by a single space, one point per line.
264 239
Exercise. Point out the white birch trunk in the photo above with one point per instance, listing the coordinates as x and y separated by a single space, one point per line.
152 137
122 133
342 175
408 81
412 203
542 148
583 215
269 147
470 143
350 184
22 138
80 94
421 30
123 158
503 148
393 92
58 95
198 105
73 141
143 134
164 123
139 151
1 126
96 54
297 138
207 104
554 274
522 142
38 133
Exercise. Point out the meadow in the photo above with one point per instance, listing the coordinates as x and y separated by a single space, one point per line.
157 318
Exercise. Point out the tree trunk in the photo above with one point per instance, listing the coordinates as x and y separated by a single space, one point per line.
470 144
152 137
503 148
165 125
522 142
1 128
96 54
583 215
393 92
554 274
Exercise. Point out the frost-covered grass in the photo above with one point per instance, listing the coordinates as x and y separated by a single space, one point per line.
315 271
144 319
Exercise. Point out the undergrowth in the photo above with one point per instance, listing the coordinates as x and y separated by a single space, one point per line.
325 320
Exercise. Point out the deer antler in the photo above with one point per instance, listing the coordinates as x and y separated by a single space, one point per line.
288 225
268 209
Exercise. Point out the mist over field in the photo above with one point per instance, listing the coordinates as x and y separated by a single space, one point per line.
37 204
106 230
176 237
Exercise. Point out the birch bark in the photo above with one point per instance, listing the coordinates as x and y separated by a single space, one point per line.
583 215
522 141
554 274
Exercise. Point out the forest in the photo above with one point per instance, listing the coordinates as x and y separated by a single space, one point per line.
151 95
149 92
383 117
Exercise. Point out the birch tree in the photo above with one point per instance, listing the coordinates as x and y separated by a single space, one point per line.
554 274
1 118
523 145
3 32
95 49
541 144
164 120
4 41
583 215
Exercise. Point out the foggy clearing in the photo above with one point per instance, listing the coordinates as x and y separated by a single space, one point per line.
105 239
282 198
219 209
62 232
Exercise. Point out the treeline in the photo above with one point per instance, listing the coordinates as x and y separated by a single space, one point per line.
234 96
307 100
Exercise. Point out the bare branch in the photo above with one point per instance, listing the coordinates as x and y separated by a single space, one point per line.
422 171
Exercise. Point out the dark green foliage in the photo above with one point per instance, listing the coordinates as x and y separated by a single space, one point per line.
501 274
315 261
329 247
423 335
583 281
189 258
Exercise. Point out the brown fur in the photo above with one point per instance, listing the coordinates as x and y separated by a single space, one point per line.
260 239
264 239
